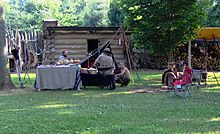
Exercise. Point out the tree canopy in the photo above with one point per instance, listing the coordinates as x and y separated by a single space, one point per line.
115 14
96 13
29 14
160 25
213 19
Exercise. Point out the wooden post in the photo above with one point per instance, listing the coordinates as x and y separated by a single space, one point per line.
189 54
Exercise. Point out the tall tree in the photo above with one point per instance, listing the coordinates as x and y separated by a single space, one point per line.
96 13
160 25
29 14
71 12
5 80
115 15
213 19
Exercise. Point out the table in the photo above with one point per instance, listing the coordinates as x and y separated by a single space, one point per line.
98 80
199 76
58 77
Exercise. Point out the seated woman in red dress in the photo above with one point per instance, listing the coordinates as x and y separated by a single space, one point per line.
184 78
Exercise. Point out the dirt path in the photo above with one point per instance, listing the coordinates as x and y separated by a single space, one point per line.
148 90
16 91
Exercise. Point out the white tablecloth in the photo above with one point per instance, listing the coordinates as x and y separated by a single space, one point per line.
58 77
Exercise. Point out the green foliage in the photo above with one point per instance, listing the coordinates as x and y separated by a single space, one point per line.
96 13
115 15
70 13
214 15
160 25
29 14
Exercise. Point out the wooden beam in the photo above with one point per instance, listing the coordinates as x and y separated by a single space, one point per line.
189 54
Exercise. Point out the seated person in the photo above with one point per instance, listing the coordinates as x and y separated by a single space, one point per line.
104 63
169 75
123 78
63 55
184 78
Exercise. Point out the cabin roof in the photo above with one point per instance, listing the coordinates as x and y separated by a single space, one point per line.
74 28
85 29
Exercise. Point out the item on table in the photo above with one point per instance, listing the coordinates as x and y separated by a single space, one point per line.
84 70
76 61
92 71
61 62
58 63
66 62
71 61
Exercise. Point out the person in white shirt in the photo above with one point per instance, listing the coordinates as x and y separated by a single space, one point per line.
63 55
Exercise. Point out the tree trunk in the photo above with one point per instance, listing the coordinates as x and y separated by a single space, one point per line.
170 56
5 79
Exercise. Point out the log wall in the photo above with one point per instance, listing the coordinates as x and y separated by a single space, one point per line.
76 42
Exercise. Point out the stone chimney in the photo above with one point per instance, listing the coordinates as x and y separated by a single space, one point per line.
49 45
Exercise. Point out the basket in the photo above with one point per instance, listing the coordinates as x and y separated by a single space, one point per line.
92 71
84 70
76 61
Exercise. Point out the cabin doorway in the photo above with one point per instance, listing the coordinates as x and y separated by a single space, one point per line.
92 45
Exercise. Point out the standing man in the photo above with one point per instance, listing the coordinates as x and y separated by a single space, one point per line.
104 63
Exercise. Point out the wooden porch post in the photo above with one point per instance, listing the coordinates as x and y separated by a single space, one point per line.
189 54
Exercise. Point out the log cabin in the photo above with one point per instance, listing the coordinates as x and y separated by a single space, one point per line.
79 41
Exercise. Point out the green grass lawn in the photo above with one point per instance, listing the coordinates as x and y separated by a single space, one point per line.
102 111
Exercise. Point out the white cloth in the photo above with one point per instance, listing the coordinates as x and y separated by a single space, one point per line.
58 77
